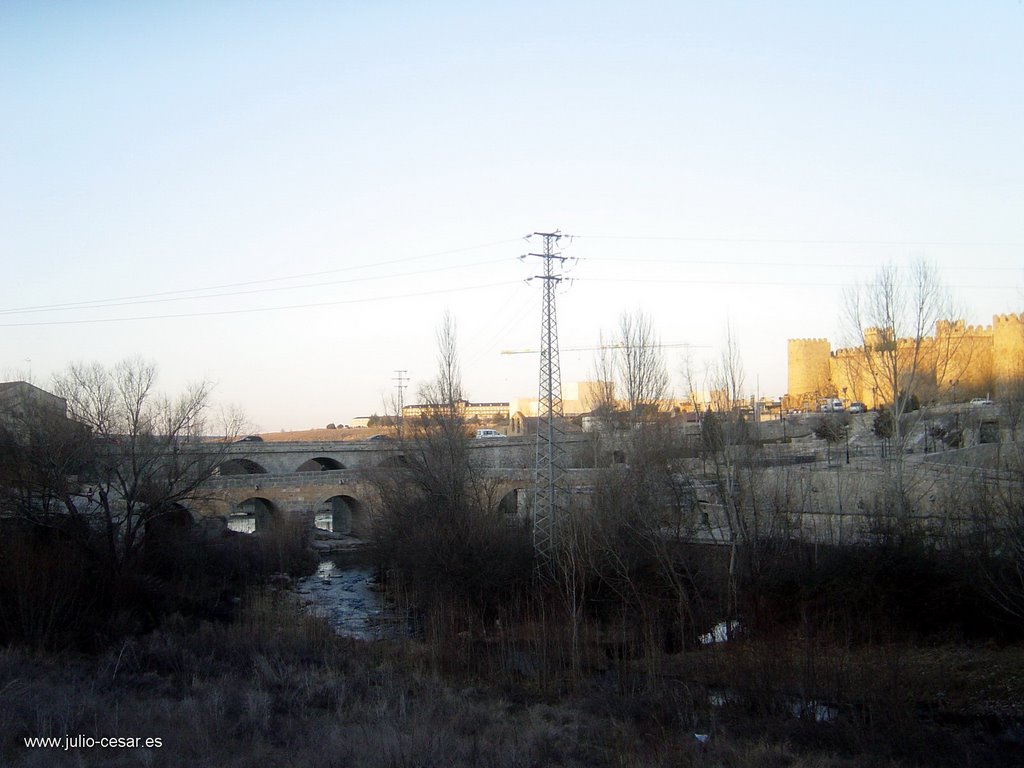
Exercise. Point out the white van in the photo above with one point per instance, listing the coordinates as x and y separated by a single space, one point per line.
832 405
488 433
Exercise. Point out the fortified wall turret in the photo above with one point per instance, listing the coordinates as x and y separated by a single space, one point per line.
964 354
876 338
808 369
1008 355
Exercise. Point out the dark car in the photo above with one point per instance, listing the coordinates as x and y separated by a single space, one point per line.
857 408
250 439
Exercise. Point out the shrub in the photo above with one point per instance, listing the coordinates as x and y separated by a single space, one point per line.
460 554
901 587
53 594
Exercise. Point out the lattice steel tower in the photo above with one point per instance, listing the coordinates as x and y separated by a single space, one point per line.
551 493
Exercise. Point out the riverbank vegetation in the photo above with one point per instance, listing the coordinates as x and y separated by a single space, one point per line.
96 540
680 619
898 653
278 687
858 649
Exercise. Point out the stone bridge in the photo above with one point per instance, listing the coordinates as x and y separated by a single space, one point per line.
336 485
290 457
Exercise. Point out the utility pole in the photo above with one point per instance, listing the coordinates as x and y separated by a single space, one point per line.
400 384
551 494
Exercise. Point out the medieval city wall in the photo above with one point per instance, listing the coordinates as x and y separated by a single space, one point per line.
808 366
960 361
1007 354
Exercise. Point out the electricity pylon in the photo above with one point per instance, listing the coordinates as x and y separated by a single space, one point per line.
551 493
400 384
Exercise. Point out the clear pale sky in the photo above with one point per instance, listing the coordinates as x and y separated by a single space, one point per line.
284 197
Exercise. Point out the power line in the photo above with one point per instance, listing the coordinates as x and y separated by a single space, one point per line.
514 319
765 283
117 303
683 261
799 241
252 310
603 346
261 281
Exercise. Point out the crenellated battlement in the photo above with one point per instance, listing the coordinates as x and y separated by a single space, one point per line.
974 359
1001 320
847 351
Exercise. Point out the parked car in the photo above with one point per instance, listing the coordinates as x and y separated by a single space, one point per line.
857 407
250 439
981 401
488 433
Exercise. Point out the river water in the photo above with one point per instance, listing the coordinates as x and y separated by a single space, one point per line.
349 598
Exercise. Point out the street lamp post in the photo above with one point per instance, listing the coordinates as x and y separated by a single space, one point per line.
956 405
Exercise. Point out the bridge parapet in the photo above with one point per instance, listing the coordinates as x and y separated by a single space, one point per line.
286 457
581 476
289 479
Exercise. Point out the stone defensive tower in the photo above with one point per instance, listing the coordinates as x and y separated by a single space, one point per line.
809 375
1007 354
967 352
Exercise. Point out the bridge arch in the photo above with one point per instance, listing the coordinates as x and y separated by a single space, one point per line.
319 464
170 524
343 514
509 503
253 515
241 467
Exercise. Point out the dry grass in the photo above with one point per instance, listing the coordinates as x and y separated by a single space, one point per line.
277 687
326 435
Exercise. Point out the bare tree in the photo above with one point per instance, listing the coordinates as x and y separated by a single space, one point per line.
631 538
435 446
643 376
124 457
604 371
440 530
437 451
601 400
1012 399
728 459
891 322
445 392
728 376
632 365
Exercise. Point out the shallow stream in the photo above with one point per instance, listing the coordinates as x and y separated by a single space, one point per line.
347 595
